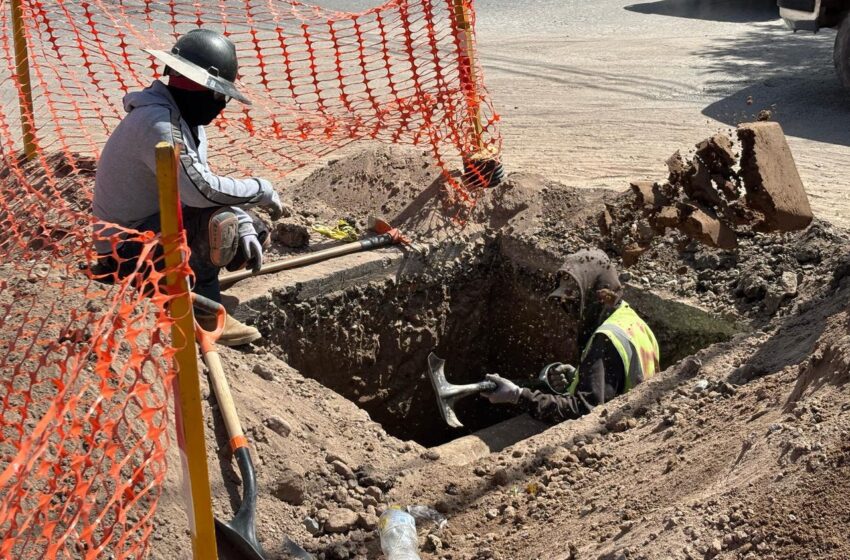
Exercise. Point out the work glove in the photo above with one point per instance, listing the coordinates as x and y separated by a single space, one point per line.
560 377
271 201
506 392
253 250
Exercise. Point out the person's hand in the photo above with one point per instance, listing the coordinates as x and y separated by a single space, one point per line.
560 377
506 392
275 207
253 251
271 201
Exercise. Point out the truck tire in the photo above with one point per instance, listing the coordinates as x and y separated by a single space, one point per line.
841 54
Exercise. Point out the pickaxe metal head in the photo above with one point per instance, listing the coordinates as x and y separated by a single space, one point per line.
447 394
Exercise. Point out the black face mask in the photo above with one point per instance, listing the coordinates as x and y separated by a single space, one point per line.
198 108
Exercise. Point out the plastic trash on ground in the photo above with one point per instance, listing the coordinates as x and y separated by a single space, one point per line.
397 530
425 513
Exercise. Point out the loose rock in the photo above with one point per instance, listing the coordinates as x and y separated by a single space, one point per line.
341 520
278 425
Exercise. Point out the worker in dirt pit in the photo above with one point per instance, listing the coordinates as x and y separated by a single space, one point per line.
198 83
619 349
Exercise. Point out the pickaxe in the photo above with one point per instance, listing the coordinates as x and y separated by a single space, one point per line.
551 380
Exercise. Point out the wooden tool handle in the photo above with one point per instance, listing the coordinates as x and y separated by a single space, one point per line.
225 400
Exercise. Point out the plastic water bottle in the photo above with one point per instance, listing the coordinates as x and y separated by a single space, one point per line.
398 534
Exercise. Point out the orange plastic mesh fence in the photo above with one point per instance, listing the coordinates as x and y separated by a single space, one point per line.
87 365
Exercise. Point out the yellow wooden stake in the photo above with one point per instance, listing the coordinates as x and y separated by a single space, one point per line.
465 24
22 69
188 412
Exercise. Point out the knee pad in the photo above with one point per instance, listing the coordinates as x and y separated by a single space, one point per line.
223 235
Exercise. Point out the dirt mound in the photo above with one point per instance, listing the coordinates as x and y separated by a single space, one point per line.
383 180
736 451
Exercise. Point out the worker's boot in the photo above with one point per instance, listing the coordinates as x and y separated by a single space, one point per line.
235 333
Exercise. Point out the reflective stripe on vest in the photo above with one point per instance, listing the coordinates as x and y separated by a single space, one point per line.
632 337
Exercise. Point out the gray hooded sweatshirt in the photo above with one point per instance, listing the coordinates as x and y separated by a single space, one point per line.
125 191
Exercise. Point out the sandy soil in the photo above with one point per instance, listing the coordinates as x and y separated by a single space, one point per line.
737 452
600 93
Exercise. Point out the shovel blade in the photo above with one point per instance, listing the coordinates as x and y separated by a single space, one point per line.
229 538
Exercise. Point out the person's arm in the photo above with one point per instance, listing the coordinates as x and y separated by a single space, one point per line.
601 378
552 409
199 186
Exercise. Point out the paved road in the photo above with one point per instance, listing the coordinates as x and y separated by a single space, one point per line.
597 93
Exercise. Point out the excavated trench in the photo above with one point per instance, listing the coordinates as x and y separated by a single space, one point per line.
369 342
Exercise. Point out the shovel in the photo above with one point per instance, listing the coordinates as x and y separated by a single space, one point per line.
387 235
240 533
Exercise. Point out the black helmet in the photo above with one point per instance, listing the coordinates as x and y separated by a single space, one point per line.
207 58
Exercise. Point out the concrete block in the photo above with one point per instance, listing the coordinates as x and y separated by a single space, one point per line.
698 185
706 228
676 166
717 153
772 183
669 216
645 192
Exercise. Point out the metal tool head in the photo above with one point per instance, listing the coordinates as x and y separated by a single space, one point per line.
381 227
442 387
448 394
239 534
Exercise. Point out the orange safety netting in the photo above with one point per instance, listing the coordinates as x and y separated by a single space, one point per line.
86 366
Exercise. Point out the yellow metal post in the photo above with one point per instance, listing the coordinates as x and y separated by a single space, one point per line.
465 24
22 68
190 420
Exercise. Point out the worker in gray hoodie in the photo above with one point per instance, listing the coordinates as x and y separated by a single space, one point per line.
200 71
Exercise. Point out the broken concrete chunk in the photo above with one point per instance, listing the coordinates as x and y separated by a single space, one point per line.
773 185
698 184
727 186
717 153
645 192
706 228
676 166
669 216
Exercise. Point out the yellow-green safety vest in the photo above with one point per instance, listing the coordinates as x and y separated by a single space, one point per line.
632 338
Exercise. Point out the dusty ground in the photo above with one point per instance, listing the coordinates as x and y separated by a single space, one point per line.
740 452
600 93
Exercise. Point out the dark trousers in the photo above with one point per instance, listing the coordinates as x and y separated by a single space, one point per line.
195 223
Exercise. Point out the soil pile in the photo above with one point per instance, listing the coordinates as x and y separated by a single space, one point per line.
739 451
